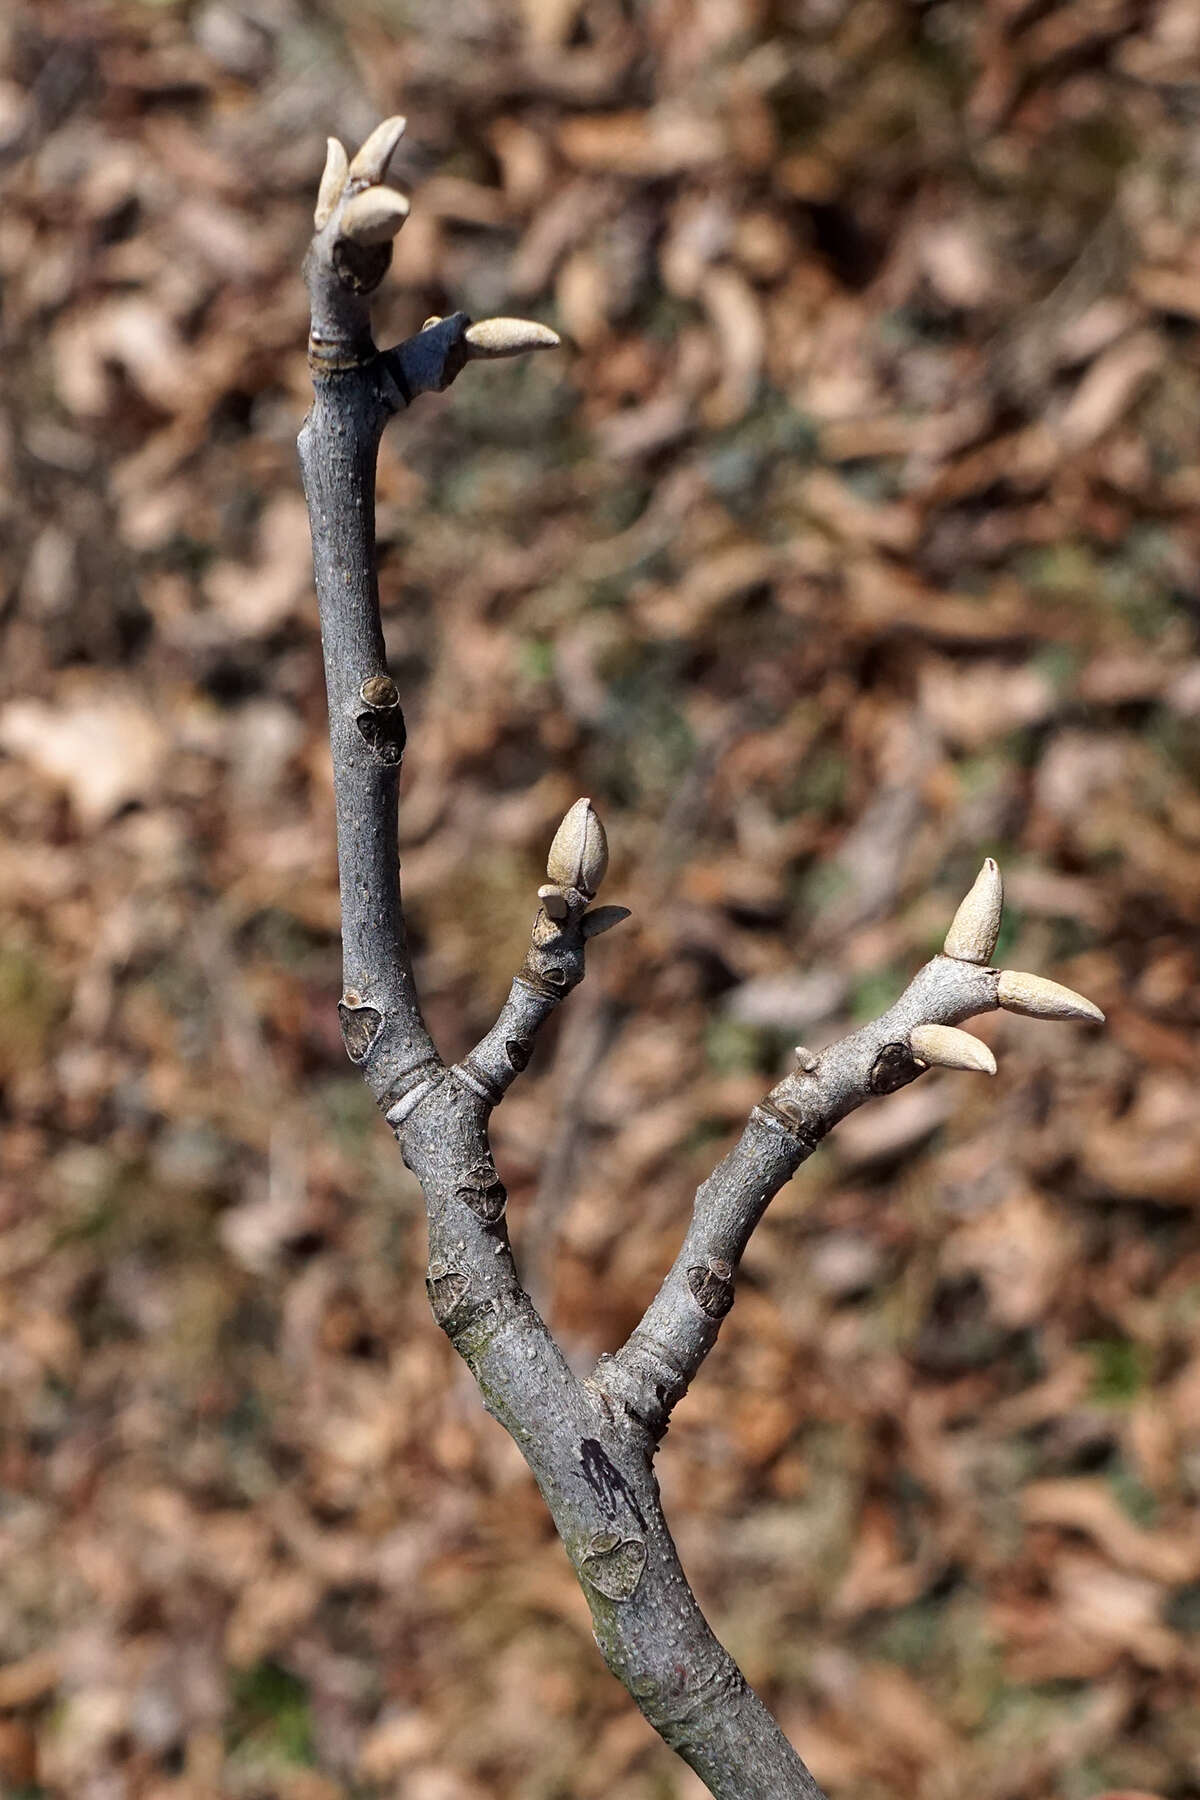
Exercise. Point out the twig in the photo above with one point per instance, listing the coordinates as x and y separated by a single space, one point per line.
589 1444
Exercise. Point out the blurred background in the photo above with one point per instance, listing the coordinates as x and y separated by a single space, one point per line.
854 536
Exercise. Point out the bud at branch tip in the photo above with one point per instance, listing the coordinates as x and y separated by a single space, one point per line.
976 925
579 853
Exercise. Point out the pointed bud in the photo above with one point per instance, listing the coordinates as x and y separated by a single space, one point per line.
431 321
806 1062
492 338
371 163
554 902
948 1048
373 217
603 919
332 183
976 926
1038 998
579 853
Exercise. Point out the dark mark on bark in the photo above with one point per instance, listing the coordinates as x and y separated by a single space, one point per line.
361 266
384 734
712 1287
361 1026
607 1482
484 1192
446 1289
518 1051
614 1564
894 1068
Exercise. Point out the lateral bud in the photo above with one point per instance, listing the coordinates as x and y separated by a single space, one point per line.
1038 998
374 216
946 1047
333 182
492 338
375 153
603 918
579 852
976 925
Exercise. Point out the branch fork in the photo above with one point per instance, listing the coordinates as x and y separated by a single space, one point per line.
589 1443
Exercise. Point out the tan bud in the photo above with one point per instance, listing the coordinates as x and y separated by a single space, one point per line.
579 853
806 1062
976 925
603 918
554 902
1038 998
507 337
371 163
373 217
946 1047
333 181
431 321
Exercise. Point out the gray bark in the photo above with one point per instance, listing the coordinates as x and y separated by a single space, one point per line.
589 1443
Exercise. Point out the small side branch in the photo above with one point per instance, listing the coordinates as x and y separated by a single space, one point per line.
554 964
654 1367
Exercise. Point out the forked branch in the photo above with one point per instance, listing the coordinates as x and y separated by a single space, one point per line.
589 1443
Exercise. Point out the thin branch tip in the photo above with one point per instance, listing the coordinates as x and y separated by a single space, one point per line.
946 1047
976 925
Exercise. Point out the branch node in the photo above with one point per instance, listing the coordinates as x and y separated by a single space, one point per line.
384 733
447 1289
614 1564
712 1287
361 1026
893 1068
483 1191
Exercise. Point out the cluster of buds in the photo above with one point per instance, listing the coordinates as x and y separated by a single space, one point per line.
972 938
575 867
367 214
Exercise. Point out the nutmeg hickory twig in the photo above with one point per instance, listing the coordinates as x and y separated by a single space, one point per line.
589 1443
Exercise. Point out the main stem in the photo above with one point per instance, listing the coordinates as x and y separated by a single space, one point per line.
590 1454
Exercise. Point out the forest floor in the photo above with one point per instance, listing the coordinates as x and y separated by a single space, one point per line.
853 536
